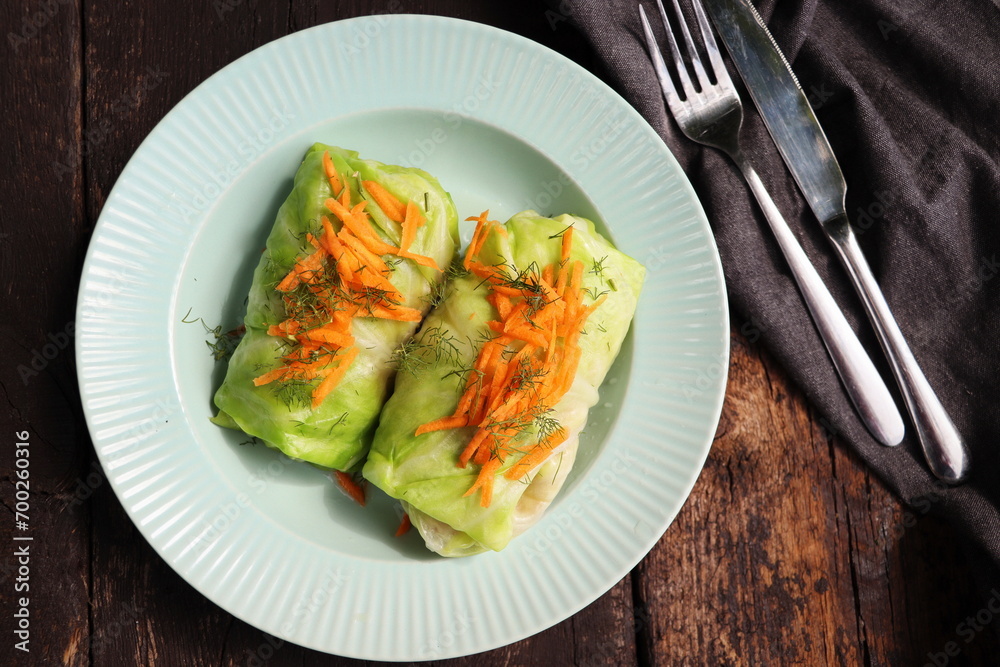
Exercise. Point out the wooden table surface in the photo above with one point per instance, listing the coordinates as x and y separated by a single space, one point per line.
787 552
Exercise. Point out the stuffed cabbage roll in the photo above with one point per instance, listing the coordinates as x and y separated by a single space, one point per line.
356 251
484 422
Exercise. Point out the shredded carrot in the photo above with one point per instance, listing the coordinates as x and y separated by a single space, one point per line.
420 259
538 454
344 277
525 369
335 376
355 491
331 173
414 218
390 205
404 525
443 424
567 243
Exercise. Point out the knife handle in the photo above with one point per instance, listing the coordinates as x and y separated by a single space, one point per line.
861 380
944 448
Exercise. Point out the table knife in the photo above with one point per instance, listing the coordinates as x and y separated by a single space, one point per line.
792 124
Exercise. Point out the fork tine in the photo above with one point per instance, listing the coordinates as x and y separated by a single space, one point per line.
711 47
699 69
682 73
659 65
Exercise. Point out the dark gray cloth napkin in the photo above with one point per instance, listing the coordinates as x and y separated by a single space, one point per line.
909 97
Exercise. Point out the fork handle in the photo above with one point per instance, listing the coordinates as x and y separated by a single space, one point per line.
944 447
861 380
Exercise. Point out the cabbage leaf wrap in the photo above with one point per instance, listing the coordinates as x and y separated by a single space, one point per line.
423 471
337 433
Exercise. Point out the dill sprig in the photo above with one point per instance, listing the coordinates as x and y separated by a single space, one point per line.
546 424
559 235
455 270
224 344
598 267
433 347
294 393
439 290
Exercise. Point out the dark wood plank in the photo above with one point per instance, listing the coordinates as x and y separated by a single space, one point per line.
141 58
790 552
42 234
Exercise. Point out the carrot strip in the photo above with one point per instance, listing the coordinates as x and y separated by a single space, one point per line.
442 424
354 490
270 376
370 259
404 525
400 313
327 334
484 481
538 454
413 219
390 205
301 272
567 244
331 173
331 380
356 220
422 260
470 449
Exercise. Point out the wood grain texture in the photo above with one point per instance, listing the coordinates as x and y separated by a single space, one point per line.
788 551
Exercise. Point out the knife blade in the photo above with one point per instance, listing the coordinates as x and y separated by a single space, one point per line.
804 147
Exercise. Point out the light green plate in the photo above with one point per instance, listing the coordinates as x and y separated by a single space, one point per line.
505 124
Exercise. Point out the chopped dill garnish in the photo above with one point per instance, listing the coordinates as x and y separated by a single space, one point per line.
295 394
455 270
431 347
598 268
225 343
558 235
594 294
437 294
342 419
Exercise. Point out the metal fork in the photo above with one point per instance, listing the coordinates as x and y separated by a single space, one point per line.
711 114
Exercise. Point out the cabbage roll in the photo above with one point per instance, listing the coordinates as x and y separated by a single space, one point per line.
351 263
483 425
